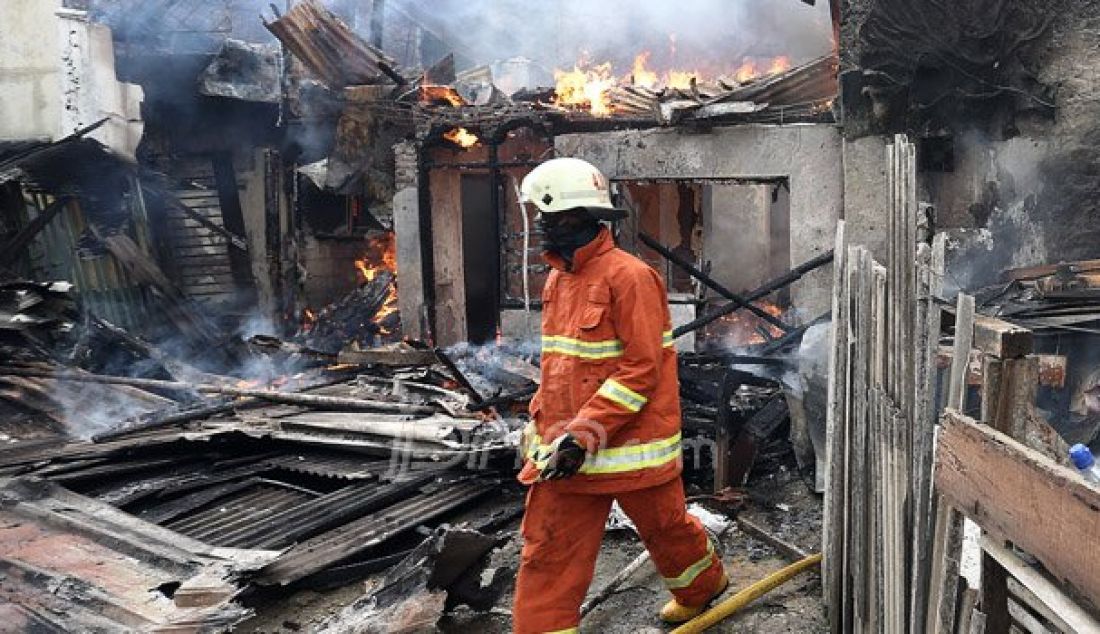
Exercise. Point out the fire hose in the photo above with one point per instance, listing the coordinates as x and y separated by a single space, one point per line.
731 605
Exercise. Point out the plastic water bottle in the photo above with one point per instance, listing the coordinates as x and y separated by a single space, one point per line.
1082 459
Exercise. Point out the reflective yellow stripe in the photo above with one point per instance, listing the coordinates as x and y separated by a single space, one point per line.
608 349
637 450
614 391
614 459
571 630
693 571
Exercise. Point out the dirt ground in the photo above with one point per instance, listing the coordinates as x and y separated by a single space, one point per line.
780 501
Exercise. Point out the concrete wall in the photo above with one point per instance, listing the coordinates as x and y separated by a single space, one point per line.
735 234
57 74
809 156
30 69
90 90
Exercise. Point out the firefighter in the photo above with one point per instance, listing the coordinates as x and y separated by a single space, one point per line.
605 423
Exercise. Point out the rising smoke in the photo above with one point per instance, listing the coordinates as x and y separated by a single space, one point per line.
687 34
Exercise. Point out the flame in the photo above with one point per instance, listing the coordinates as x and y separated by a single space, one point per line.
680 80
745 72
432 94
461 137
588 86
585 88
780 64
309 319
742 328
381 256
642 76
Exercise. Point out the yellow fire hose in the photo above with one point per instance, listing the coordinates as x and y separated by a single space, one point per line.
746 596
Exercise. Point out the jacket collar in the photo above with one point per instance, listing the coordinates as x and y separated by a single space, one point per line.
602 243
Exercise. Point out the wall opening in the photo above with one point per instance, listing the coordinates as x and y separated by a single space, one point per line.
480 257
736 230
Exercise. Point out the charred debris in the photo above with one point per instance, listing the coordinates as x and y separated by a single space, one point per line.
235 361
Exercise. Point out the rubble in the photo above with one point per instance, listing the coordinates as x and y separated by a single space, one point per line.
216 393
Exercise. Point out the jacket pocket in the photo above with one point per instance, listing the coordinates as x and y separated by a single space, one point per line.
597 304
591 316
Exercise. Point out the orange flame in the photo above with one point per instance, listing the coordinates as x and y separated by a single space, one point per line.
742 328
780 64
432 94
588 86
585 88
461 137
642 76
381 256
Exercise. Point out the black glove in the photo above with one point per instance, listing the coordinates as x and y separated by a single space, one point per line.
566 460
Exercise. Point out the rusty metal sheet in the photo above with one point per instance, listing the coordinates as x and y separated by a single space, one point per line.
69 563
328 48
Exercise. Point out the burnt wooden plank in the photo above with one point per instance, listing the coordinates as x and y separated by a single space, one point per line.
447 257
1023 497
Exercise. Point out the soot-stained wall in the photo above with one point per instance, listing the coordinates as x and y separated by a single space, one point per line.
808 156
1014 88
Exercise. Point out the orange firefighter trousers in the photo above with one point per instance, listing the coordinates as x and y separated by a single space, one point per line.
562 531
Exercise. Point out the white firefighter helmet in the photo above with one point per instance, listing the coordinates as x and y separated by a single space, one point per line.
563 184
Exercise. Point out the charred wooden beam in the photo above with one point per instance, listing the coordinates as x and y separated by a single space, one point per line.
504 399
709 281
458 375
768 288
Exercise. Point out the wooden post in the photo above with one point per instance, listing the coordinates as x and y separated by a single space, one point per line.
834 564
1009 385
947 537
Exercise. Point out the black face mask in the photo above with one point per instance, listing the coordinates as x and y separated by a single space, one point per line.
565 238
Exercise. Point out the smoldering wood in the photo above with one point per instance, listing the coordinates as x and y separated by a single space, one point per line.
458 375
710 283
387 357
764 290
505 399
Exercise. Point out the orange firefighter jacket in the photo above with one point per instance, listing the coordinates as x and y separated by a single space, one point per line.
608 372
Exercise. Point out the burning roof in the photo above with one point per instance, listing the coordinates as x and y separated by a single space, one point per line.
594 100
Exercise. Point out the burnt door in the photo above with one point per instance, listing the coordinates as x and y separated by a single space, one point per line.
480 257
